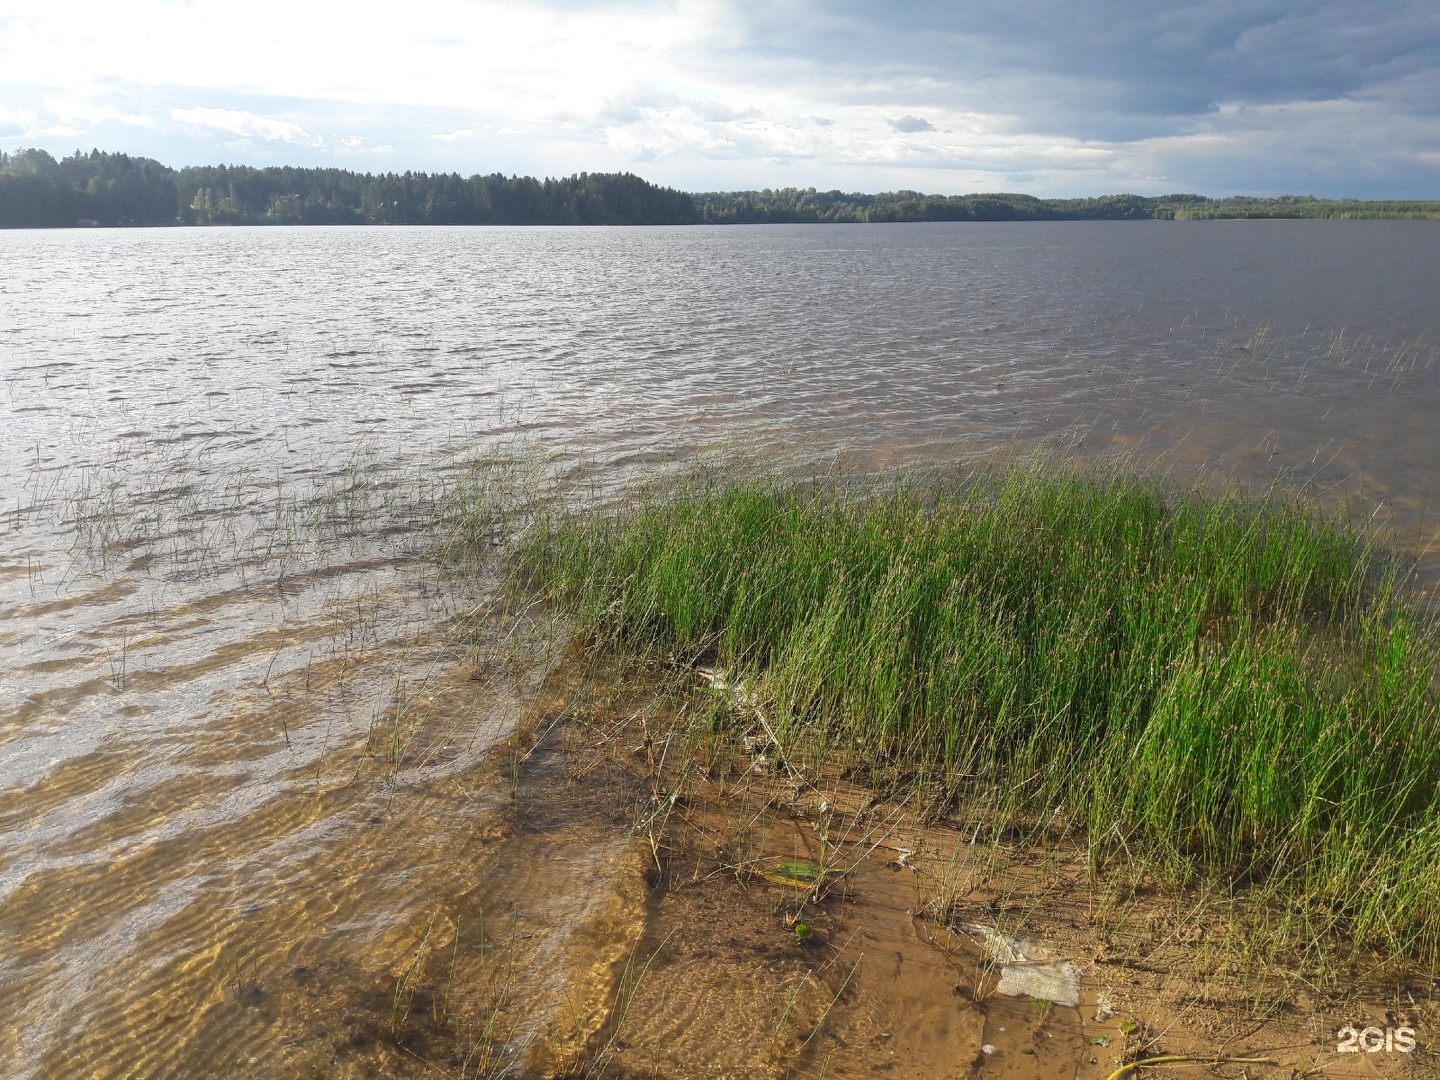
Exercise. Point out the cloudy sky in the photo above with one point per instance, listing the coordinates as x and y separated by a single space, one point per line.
1052 97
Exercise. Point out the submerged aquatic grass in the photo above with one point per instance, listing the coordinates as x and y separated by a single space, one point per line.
1218 686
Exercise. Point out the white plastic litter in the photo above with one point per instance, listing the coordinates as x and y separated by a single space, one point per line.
1027 968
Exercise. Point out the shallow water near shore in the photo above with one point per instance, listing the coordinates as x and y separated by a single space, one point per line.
237 735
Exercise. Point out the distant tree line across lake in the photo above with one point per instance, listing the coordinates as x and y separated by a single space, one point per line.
37 191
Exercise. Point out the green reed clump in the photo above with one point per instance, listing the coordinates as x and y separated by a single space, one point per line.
1227 686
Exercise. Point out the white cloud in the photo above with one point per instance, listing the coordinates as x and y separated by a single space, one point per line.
356 145
240 122
663 128
952 98
20 125
23 119
524 61
75 111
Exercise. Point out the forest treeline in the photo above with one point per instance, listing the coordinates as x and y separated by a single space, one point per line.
37 191
803 205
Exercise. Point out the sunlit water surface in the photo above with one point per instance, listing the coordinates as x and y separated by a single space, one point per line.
218 844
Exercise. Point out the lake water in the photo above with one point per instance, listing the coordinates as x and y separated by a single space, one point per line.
217 447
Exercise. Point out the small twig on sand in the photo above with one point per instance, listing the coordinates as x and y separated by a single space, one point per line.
1176 1059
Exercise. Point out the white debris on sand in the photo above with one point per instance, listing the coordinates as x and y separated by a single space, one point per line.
1027 969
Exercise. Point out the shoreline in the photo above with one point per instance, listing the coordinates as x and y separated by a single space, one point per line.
969 642
267 224
108 189
807 903
588 846
772 923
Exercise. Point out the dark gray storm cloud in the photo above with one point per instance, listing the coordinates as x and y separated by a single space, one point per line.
1113 70
910 124
1067 97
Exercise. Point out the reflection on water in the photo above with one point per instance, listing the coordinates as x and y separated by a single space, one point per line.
235 737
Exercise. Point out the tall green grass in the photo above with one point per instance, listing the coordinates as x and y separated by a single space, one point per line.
1234 688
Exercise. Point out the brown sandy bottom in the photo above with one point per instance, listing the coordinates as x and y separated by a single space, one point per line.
630 883
664 899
